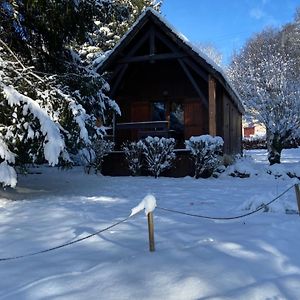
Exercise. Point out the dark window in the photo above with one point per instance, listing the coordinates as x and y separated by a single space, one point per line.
159 111
177 117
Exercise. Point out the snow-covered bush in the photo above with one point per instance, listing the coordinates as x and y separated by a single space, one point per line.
294 172
284 205
206 152
258 142
277 170
159 154
134 154
93 155
242 168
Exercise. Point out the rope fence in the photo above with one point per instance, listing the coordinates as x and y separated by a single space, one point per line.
227 218
151 224
66 244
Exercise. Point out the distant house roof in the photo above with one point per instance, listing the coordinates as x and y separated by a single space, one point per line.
103 62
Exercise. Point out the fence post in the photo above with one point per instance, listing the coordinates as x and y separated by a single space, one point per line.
151 232
297 190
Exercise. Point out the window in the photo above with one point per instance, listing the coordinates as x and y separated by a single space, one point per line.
177 117
159 111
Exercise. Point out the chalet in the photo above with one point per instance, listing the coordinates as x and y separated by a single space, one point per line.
166 87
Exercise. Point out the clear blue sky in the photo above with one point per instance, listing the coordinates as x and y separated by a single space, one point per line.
226 23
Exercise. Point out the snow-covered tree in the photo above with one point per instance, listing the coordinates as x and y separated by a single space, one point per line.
40 119
211 51
52 101
110 23
267 78
159 154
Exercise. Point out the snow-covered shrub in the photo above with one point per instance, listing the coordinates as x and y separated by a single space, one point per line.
294 172
93 155
206 152
277 170
257 142
242 168
134 153
283 205
159 154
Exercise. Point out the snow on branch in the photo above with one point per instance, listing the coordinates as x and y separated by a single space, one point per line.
8 175
79 114
54 143
5 153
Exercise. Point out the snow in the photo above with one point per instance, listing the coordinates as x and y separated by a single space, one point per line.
148 204
8 175
251 258
5 153
54 143
207 139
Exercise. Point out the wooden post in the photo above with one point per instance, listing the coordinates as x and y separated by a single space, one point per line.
114 127
297 190
151 232
212 106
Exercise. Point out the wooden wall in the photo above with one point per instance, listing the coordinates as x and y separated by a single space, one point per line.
147 82
232 127
195 118
157 80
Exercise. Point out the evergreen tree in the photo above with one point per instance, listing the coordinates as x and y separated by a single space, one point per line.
50 99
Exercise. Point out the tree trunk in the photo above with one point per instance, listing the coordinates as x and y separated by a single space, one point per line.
275 146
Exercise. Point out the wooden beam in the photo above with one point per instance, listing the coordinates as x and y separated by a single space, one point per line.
136 47
193 82
163 125
116 72
143 58
152 41
188 61
165 41
117 82
212 106
196 69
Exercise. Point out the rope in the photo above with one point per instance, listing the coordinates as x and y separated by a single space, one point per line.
66 244
226 218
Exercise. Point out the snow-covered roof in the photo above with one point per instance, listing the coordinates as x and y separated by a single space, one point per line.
149 11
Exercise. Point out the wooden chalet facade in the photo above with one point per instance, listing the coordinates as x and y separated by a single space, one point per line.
165 87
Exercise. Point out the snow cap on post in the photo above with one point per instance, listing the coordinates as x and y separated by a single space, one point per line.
148 203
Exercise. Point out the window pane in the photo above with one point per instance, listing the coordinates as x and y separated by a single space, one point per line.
177 117
159 111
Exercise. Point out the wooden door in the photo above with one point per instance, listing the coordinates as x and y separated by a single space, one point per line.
195 119
140 112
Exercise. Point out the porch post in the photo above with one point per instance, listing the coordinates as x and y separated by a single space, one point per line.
212 106
114 127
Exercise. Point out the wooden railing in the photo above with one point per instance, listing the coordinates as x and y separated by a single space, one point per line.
148 128
159 125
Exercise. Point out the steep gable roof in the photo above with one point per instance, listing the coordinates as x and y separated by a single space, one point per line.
181 41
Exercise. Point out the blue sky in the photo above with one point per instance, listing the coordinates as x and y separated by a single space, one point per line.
226 23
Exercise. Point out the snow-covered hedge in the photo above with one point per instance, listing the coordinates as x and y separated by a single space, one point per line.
134 155
159 154
206 152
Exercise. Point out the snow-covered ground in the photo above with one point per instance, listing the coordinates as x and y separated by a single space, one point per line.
256 257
